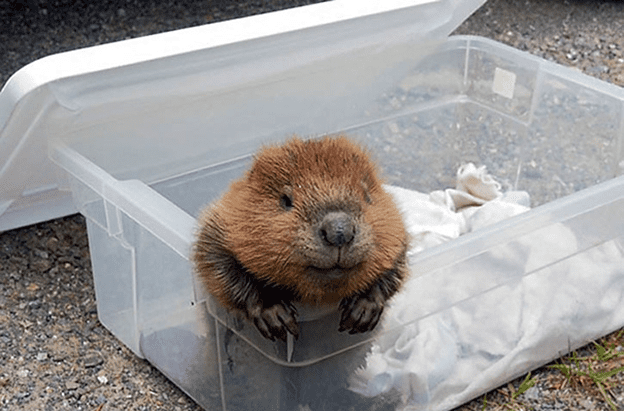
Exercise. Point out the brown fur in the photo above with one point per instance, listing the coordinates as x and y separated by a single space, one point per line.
258 248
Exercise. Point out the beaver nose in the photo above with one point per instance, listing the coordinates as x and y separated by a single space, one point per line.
337 229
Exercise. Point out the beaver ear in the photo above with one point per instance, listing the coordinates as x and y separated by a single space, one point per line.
365 183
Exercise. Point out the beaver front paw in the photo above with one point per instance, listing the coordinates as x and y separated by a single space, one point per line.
361 313
275 321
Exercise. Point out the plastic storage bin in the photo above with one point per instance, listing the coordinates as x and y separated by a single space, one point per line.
141 145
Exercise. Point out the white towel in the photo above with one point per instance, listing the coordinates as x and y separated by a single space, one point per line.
477 201
437 358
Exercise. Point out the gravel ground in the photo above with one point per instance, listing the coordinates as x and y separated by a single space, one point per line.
55 355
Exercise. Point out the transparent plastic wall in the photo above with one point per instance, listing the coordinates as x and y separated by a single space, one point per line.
556 270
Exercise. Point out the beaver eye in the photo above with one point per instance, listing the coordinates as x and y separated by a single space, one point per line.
286 202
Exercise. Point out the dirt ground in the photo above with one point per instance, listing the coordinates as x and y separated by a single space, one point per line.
54 353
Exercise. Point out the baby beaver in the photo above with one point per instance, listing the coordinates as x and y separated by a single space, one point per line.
308 223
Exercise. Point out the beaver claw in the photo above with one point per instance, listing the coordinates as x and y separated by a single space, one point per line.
360 313
275 321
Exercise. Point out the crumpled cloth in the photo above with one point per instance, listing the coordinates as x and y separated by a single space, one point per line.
447 338
477 201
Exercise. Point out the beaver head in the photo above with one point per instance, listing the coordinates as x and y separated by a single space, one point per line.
312 216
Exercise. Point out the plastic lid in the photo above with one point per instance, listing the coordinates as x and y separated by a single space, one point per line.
66 93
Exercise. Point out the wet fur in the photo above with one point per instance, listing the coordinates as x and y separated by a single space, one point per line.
258 251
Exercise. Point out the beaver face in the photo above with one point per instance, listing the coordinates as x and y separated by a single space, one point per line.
312 216
309 223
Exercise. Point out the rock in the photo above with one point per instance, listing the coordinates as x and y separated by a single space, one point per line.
52 244
72 385
532 394
588 404
93 360
41 265
23 373
41 254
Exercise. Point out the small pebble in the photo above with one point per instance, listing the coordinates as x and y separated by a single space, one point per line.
41 254
23 373
72 385
588 404
532 393
93 361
